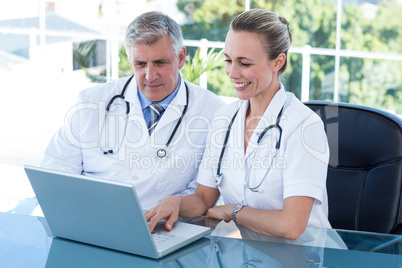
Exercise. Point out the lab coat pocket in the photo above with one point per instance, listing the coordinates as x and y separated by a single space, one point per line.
262 176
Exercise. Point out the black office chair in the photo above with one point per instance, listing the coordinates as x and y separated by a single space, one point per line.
364 180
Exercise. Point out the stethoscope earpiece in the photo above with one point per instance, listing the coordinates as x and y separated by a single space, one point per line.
218 179
108 152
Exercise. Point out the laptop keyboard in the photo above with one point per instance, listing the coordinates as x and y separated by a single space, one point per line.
161 237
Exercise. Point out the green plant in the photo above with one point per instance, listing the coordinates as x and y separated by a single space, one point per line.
197 65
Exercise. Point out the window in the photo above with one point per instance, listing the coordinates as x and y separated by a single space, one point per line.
50 50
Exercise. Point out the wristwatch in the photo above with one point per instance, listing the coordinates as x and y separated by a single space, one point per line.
235 210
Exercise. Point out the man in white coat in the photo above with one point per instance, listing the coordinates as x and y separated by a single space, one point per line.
149 129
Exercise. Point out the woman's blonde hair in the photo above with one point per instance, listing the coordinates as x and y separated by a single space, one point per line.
273 30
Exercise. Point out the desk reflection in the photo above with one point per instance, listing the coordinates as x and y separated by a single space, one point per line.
207 252
25 241
67 253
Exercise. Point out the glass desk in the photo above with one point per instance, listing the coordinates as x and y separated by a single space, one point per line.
26 241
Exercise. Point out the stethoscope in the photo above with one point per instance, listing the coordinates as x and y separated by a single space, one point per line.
219 175
161 153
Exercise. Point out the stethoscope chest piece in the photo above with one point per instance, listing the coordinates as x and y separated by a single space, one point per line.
161 153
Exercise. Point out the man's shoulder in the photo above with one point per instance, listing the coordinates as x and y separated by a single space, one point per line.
104 90
203 96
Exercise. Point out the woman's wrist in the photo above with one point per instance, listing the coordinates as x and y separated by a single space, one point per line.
235 210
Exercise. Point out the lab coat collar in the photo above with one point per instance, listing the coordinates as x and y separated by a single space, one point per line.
175 108
132 97
269 117
173 111
135 105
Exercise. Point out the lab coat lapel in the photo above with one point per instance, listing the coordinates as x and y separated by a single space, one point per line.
136 115
238 128
174 110
253 141
269 118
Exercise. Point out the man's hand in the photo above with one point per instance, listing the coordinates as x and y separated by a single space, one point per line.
168 209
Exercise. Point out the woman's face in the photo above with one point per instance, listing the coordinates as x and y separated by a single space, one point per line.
248 67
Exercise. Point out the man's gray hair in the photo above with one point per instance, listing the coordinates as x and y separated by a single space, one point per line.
150 27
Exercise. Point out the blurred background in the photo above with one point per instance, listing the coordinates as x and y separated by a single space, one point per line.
347 50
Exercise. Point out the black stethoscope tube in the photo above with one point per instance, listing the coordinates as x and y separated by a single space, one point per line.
277 146
121 96
161 152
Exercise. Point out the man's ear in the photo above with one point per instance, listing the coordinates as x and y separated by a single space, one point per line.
129 59
182 57
279 61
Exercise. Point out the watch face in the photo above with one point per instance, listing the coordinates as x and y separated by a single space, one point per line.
237 208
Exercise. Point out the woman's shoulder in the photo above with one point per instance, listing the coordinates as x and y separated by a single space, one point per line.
297 112
296 106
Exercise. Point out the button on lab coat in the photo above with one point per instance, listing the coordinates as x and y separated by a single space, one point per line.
78 146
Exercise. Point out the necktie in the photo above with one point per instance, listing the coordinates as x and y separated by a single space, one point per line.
156 110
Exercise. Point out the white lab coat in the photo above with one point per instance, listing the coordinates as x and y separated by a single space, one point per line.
75 147
299 169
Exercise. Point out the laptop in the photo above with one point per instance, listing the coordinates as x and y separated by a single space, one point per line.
104 213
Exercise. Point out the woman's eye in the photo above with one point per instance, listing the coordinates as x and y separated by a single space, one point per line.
245 64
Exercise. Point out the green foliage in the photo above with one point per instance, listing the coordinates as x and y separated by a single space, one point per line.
313 22
124 65
208 19
372 82
195 67
376 83
220 83
82 53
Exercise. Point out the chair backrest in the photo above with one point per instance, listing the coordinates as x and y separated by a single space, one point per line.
364 180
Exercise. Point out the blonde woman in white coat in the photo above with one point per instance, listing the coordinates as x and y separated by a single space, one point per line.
272 171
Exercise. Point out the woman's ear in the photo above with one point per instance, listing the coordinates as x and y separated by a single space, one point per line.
279 61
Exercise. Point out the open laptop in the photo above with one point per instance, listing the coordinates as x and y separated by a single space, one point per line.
104 213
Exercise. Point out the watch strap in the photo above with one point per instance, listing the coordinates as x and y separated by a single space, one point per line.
235 210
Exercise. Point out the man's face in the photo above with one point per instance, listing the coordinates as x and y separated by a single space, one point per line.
156 68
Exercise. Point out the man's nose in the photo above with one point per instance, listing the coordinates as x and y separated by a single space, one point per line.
150 73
